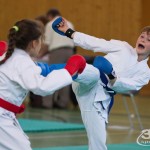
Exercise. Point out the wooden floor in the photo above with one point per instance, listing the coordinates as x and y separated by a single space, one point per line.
119 129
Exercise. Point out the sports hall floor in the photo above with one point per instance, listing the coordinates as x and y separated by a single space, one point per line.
118 130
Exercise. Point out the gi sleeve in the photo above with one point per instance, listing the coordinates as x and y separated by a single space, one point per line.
28 75
125 85
95 44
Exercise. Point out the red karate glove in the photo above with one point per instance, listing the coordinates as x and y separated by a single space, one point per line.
75 64
3 47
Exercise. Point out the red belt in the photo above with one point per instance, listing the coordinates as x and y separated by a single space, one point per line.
11 107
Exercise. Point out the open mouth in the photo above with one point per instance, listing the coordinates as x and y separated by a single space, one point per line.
141 46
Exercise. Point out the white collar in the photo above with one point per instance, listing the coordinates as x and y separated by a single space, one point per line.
21 51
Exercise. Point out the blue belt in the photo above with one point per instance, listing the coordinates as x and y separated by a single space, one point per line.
109 90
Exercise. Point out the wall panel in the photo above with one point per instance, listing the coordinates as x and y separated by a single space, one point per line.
118 19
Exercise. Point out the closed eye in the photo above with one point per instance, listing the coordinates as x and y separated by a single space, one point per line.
142 36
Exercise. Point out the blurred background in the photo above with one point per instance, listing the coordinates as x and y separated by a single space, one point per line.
109 19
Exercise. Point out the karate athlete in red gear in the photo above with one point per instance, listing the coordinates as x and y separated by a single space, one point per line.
121 70
19 75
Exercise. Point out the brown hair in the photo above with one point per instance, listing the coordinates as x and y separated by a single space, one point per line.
146 29
53 12
28 30
43 19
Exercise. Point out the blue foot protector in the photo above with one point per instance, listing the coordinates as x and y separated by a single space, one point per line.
103 64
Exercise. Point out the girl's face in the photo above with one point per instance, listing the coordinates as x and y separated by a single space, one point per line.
35 47
143 45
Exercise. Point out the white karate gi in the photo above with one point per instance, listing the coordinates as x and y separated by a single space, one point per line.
88 88
19 75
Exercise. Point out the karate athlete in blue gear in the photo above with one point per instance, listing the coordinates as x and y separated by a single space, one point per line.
87 81
94 93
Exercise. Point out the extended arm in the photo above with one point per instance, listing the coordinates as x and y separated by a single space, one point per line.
83 40
30 78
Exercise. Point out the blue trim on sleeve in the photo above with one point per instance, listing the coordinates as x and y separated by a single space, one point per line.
46 69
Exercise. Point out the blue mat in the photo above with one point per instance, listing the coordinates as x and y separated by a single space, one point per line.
48 126
131 146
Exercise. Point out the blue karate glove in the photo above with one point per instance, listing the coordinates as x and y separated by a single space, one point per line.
55 26
105 66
